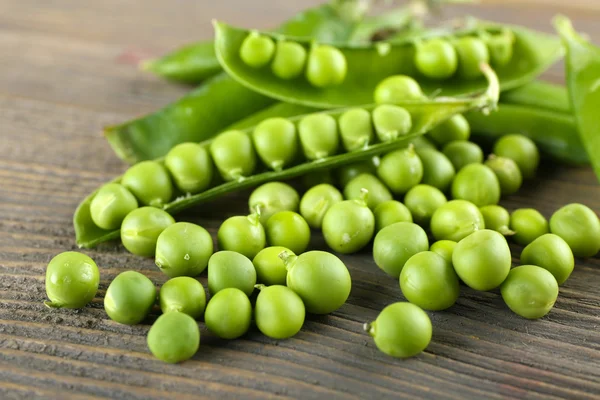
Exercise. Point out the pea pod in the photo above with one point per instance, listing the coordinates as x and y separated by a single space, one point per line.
539 94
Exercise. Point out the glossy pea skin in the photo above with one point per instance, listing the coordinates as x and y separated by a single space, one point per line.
276 142
389 212
552 253
508 173
496 218
521 150
257 50
346 173
228 313
436 59
396 243
183 294
429 281
111 205
318 136
279 312
320 279
455 128
444 248
422 201
190 166
270 269
400 170
421 142
288 229
500 47
378 192
348 226
579 226
482 260
462 153
244 235
471 53
233 154
356 129
142 227
326 66
438 171
391 122
228 269
289 60
149 182
528 224
174 337
183 249
129 298
72 280
398 89
456 220
530 291
478 184
401 330
316 201
273 197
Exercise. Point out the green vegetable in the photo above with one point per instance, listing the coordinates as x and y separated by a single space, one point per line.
552 253
378 192
471 52
422 201
111 205
190 166
508 173
456 220
521 150
318 136
289 60
438 170
500 47
478 184
270 269
579 226
257 50
272 197
397 89
530 291
396 243
391 122
356 129
444 248
174 337
233 154
228 313
228 269
242 234
455 128
288 229
142 227
149 182
497 219
129 298
183 249
279 312
316 201
326 66
436 59
528 224
276 142
183 294
462 153
389 212
401 170
72 280
539 94
348 172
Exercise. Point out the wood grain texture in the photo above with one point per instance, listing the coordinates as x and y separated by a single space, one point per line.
67 68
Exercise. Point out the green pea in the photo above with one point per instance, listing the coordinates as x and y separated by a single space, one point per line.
455 128
72 280
149 182
438 171
272 197
326 66
111 204
316 201
462 153
257 50
444 248
320 279
421 142
500 47
318 136
190 166
183 249
288 229
429 281
289 60
276 142
400 170
228 269
398 89
579 226
478 184
233 154
391 122
378 192
228 314
346 173
552 253
142 227
183 294
279 312
521 150
456 220
508 173
422 201
389 212
471 53
174 337
497 219
129 298
244 235
528 224
482 260
270 268
396 243
401 330
356 129
530 291
436 59
318 178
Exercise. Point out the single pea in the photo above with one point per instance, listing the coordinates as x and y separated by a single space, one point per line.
497 219
444 248
438 171
270 268
456 220
429 281
279 312
318 136
528 224
500 47
320 279
401 170
288 229
142 227
401 330
478 184
391 122
530 291
289 60
436 59
552 253
149 182
378 192
422 142
111 205
183 294
579 226
508 173
233 154
521 150
389 212
183 249
422 201
242 234
356 129
257 50
316 201
462 153
396 243
318 178
129 298
482 260
72 280
272 197
326 66
174 337
455 128
228 269
276 142
346 173
471 53
398 89
190 166
228 313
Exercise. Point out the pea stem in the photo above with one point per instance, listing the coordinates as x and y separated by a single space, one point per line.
288 259
260 286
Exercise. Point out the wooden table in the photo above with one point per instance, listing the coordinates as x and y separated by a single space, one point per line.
67 68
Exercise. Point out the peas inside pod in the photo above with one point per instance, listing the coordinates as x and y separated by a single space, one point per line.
150 183
111 205
190 166
326 66
276 142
